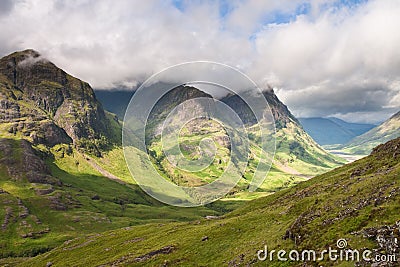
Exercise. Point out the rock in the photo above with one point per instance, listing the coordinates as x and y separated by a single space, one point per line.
7 217
211 217
23 161
95 197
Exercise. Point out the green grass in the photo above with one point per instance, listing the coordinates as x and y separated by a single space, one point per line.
318 205
92 204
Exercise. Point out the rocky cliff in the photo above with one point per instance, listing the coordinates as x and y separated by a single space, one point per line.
48 106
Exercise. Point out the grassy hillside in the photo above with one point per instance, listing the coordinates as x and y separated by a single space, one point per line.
359 202
68 200
363 144
298 157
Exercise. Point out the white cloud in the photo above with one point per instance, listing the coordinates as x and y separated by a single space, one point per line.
333 60
338 62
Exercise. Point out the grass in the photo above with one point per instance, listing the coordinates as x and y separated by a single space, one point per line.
90 203
315 210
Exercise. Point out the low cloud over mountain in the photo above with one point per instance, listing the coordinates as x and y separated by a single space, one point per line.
322 57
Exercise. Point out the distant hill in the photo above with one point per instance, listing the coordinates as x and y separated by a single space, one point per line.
329 131
364 143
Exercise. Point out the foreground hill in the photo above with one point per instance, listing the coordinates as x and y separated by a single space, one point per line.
329 131
359 202
363 144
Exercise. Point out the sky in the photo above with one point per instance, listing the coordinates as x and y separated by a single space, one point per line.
323 58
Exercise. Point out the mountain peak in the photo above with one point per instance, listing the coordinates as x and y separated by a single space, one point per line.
27 52
27 55
397 115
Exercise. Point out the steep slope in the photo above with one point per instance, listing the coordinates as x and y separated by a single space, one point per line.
296 152
47 197
330 131
358 202
297 157
44 104
364 143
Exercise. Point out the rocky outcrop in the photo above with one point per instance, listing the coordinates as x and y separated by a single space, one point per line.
171 100
23 163
280 112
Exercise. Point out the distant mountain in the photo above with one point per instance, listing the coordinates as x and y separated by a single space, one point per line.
115 101
364 143
355 128
329 131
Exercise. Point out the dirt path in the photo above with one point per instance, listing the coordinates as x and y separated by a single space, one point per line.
103 172
289 170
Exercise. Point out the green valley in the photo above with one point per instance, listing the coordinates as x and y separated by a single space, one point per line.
358 202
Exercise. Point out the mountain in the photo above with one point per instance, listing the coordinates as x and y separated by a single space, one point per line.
329 131
295 149
46 105
364 143
297 155
62 170
356 128
356 204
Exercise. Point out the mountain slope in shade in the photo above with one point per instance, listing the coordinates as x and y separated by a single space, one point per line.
355 128
364 143
358 202
115 101
330 131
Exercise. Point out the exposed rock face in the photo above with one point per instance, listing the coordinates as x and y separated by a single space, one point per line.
23 163
280 112
173 99
43 102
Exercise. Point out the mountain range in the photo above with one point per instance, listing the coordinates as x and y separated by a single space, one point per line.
297 154
363 144
67 195
330 131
